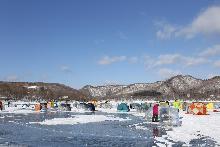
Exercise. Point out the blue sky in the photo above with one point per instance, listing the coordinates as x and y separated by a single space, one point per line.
80 42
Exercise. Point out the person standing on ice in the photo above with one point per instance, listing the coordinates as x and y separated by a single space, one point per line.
1 105
155 113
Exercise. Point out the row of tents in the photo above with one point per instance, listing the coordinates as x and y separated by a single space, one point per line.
44 106
64 106
196 108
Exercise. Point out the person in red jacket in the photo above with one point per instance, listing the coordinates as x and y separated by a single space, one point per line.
155 113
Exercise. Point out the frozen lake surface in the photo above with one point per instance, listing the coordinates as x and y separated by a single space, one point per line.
17 130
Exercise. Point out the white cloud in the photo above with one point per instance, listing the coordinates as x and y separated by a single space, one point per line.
175 59
167 73
207 23
109 60
217 63
148 62
212 51
168 59
65 69
166 32
193 61
159 61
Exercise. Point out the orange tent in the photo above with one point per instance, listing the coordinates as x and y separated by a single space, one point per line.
94 102
37 107
197 108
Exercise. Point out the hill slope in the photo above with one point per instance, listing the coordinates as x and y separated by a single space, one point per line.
176 87
25 90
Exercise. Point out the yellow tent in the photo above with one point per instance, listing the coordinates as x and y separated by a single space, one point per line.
164 104
52 104
177 104
210 106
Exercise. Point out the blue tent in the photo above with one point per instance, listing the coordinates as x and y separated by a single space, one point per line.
123 107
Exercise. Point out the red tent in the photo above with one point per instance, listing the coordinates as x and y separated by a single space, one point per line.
197 108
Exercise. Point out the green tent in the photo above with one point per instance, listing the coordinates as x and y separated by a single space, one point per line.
123 107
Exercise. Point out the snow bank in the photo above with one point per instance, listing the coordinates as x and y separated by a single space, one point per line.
195 125
80 119
17 110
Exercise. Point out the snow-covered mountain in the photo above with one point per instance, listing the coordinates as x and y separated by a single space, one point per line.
178 86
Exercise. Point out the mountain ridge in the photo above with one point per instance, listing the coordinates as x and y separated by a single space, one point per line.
180 86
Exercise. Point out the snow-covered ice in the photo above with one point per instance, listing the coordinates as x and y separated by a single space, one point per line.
195 126
80 119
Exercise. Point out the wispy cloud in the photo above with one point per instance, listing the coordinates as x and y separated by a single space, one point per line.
211 51
166 31
193 61
65 69
207 23
106 60
167 73
174 59
109 60
217 63
168 59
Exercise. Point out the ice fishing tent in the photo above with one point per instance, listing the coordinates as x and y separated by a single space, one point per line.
52 104
123 107
144 107
65 107
197 108
164 104
135 106
94 102
43 106
105 105
91 107
167 115
177 104
185 106
217 105
86 107
210 106
48 105
37 107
